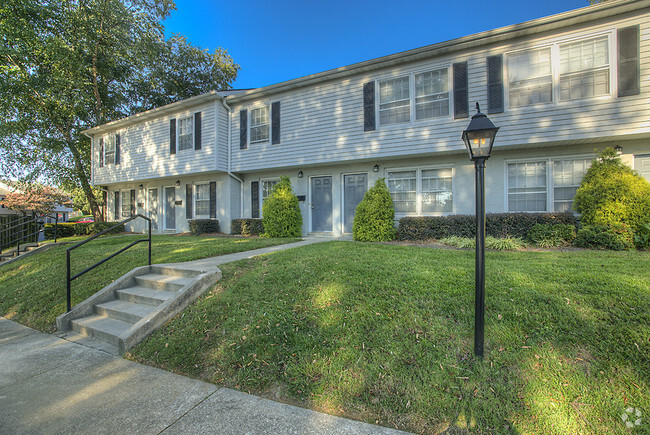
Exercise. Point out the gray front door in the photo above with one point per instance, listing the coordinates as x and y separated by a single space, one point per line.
152 206
321 204
170 208
354 188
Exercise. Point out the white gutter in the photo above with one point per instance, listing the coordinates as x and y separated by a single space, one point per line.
241 182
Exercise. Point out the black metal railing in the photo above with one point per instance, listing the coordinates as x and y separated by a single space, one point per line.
67 253
25 227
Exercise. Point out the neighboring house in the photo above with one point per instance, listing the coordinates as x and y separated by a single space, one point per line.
63 212
4 191
560 88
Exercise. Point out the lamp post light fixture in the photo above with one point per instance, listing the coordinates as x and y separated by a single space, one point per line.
479 139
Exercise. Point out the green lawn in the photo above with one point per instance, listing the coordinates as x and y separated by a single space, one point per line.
33 289
384 334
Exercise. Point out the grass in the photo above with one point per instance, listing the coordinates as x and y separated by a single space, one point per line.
384 334
33 289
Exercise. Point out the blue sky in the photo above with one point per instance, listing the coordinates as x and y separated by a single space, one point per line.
280 40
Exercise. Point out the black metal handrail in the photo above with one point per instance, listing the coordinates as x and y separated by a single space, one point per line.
83 242
19 235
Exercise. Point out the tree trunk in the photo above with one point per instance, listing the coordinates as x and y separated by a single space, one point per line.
96 210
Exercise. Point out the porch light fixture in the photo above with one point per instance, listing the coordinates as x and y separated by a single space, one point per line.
178 183
618 149
375 168
300 174
479 138
141 187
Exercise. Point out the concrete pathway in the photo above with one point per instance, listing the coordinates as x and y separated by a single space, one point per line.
49 385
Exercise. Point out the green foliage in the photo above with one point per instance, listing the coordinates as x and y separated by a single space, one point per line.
247 227
281 211
494 243
201 226
616 237
642 236
69 229
613 193
550 235
499 225
375 215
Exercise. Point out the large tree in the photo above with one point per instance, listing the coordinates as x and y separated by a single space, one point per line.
68 65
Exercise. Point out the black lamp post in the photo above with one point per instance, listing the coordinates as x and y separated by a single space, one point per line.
479 138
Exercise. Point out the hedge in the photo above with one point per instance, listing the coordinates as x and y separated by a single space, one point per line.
496 225
247 227
69 229
201 226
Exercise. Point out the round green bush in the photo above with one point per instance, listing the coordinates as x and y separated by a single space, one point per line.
613 193
375 215
617 237
281 212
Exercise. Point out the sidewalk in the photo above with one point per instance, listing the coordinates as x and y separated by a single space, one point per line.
49 385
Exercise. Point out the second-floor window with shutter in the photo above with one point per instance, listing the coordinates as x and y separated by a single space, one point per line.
584 68
530 78
109 150
185 133
432 94
394 101
260 123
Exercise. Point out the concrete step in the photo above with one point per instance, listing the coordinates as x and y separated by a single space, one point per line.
124 310
101 327
167 270
162 282
144 295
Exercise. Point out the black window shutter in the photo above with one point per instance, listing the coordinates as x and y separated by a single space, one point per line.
116 205
133 202
628 62
255 199
213 199
101 152
275 123
188 201
243 129
197 131
461 95
495 83
117 149
369 106
172 136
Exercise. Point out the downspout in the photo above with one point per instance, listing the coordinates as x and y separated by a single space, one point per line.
241 182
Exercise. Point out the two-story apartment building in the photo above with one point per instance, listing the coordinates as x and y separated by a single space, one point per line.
560 88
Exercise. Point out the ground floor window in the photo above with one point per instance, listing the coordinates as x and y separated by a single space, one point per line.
202 200
125 201
421 191
544 185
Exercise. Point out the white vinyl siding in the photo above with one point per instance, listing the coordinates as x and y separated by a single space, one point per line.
109 149
394 101
530 79
421 191
260 124
530 189
584 68
202 200
432 94
185 134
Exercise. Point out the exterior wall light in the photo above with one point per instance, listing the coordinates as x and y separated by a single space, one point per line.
300 175
619 149
375 168
479 138
178 183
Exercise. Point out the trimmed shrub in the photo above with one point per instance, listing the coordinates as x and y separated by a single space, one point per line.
375 215
281 211
613 193
247 227
69 229
617 237
63 230
498 225
202 226
549 235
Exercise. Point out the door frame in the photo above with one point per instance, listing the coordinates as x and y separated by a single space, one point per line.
165 205
343 174
311 177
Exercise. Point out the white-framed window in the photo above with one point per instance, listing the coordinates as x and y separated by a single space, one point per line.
125 202
544 185
266 187
260 126
561 71
202 199
414 97
185 133
109 149
584 68
421 191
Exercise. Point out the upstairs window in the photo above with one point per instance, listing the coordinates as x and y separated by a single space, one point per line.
185 134
530 77
109 150
260 124
432 94
394 101
584 69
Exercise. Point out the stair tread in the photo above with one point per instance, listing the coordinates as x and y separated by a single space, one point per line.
170 279
148 292
139 310
103 324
